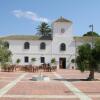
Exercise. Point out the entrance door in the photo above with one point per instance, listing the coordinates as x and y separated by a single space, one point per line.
62 63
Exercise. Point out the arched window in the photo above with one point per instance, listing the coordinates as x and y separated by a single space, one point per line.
42 46
62 47
26 45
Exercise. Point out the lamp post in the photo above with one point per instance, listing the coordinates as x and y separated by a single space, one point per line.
91 26
75 52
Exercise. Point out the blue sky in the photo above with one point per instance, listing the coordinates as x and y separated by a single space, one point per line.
23 16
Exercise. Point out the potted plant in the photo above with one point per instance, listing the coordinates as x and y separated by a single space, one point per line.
18 61
73 63
33 60
53 61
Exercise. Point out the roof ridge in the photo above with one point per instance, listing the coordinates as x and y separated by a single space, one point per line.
26 37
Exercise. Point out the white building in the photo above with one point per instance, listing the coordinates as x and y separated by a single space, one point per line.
60 46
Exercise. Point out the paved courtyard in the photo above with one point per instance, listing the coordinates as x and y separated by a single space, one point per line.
63 85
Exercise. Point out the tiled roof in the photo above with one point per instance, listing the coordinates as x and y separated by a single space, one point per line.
86 38
49 37
61 19
26 37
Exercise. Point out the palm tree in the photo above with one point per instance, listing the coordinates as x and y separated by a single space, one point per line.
44 29
88 58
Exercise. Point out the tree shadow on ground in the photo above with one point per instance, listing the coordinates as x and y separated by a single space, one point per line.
89 92
73 80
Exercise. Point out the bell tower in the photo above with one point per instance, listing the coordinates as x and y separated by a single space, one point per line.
62 34
62 27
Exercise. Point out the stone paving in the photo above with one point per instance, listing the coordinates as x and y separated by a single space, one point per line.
63 85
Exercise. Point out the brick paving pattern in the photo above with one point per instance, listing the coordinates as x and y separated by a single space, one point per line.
55 89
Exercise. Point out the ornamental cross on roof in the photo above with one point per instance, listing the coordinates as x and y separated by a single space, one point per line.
62 19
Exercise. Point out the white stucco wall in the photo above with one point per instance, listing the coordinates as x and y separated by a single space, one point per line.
18 51
52 46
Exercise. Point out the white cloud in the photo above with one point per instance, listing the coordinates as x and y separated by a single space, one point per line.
29 15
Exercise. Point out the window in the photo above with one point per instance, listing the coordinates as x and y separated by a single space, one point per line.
62 47
62 30
26 45
42 59
42 46
26 59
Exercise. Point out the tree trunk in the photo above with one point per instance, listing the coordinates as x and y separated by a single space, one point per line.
91 75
